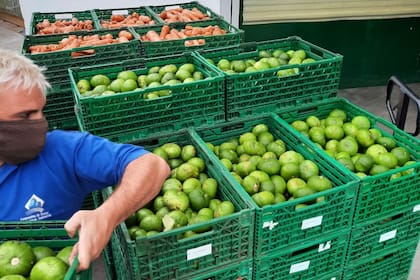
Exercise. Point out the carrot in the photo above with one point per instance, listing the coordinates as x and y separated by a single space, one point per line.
198 13
164 31
152 36
125 34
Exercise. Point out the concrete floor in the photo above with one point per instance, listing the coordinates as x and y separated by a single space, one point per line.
371 99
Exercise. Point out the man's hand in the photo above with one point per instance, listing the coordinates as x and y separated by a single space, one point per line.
93 231
141 182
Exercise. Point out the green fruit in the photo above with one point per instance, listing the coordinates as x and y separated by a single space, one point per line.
304 191
116 85
198 199
16 257
224 208
191 184
173 150
99 79
126 75
308 169
83 86
42 252
64 254
129 85
182 74
264 198
319 183
171 184
176 200
251 184
142 213
13 277
270 166
170 68
209 187
151 223
179 219
49 268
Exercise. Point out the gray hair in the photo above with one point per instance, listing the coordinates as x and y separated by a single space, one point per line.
18 71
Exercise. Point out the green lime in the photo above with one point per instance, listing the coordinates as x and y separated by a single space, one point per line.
64 254
263 198
49 268
319 183
16 257
151 223
42 252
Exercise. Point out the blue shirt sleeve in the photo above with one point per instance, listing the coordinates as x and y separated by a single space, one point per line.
95 162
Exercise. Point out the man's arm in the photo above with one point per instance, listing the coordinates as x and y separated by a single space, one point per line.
141 182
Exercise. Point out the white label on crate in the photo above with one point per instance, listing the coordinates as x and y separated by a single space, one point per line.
198 252
63 16
172 7
120 12
311 222
416 208
324 246
387 236
299 267
334 278
270 225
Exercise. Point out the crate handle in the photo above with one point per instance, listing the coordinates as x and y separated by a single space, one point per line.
71 272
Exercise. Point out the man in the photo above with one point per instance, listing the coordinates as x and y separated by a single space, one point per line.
46 175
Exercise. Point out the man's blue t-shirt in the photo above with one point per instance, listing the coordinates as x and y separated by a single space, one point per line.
54 184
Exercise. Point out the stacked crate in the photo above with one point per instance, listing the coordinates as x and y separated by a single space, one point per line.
223 252
292 242
50 234
59 109
365 228
253 93
386 222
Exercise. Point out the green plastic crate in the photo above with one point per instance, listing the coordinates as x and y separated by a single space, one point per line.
379 197
239 271
190 5
105 14
38 17
128 116
57 63
233 37
263 91
166 255
391 264
281 226
109 264
394 231
59 109
321 259
49 233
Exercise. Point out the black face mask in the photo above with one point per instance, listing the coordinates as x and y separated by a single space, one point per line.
22 140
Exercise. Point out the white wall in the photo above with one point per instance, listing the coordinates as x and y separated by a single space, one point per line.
221 7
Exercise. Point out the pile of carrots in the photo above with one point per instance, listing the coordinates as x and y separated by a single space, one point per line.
168 33
46 27
75 41
118 21
182 15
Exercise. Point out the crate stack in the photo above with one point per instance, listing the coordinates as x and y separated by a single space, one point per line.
361 228
49 234
385 224
223 252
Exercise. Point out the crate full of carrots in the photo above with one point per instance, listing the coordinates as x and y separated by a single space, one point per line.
179 37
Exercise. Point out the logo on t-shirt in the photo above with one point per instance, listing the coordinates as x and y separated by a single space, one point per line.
35 209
